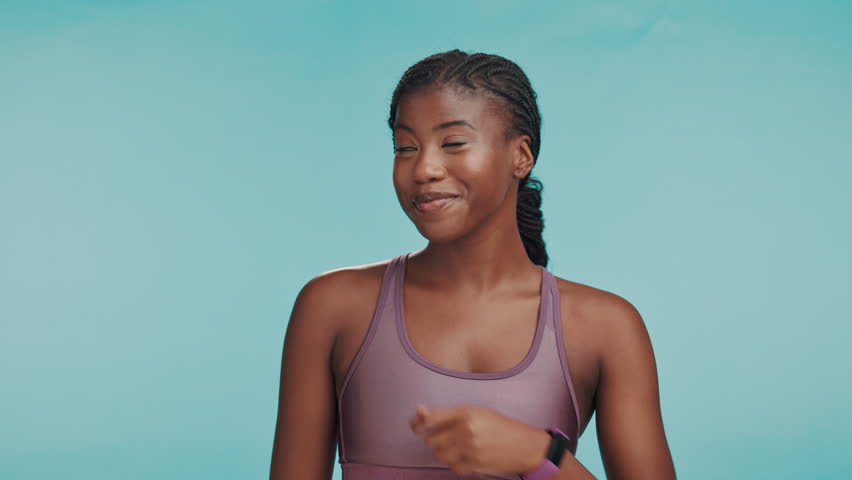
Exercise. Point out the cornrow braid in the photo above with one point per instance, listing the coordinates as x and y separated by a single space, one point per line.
504 80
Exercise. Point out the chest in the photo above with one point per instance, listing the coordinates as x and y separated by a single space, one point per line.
471 336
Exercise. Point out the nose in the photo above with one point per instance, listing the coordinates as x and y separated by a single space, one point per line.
429 166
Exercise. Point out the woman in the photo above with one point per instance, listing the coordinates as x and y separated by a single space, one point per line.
466 358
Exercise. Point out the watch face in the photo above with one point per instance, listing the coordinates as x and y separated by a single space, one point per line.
558 445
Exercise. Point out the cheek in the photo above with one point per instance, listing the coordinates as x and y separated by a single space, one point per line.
395 176
488 177
397 182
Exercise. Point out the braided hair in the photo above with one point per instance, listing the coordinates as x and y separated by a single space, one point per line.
503 79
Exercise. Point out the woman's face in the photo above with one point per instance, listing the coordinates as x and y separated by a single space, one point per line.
454 142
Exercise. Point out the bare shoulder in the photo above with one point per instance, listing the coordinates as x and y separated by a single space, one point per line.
602 325
341 280
597 311
341 291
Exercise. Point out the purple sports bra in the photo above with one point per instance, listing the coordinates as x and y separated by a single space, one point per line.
388 378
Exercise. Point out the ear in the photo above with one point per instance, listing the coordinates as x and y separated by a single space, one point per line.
522 159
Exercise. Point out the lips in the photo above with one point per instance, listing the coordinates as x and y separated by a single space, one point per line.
434 205
430 196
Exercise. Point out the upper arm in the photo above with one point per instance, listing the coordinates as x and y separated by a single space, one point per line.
306 428
629 421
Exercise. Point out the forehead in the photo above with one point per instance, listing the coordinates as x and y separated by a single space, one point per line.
426 108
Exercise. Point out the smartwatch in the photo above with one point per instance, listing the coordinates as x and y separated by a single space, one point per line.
550 465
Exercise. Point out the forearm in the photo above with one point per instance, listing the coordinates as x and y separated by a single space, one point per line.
571 469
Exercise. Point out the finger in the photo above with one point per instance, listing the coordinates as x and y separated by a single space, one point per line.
449 438
462 465
420 413
438 416
446 450
444 427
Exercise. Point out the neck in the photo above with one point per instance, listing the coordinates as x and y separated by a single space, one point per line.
479 264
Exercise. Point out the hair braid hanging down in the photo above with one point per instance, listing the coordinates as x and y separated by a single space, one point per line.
505 80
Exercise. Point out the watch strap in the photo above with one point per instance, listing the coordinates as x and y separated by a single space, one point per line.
550 465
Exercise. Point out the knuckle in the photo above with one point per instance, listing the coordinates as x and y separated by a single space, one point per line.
467 414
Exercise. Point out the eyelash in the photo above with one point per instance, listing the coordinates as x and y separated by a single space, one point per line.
451 144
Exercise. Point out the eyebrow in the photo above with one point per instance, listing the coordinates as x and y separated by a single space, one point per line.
439 126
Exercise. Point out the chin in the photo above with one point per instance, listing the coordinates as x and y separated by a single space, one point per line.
440 233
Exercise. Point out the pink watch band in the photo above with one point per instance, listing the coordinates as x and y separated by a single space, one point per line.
546 469
543 471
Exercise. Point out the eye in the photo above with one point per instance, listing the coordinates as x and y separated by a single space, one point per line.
454 144
403 149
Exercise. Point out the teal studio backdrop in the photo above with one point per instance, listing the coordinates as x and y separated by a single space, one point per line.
172 172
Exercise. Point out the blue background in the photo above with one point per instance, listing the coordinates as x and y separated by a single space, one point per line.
172 172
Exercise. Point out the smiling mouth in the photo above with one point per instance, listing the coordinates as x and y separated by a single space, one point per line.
434 205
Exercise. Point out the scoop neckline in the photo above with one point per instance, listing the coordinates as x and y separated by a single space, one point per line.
399 283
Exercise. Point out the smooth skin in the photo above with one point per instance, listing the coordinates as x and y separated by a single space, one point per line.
471 299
